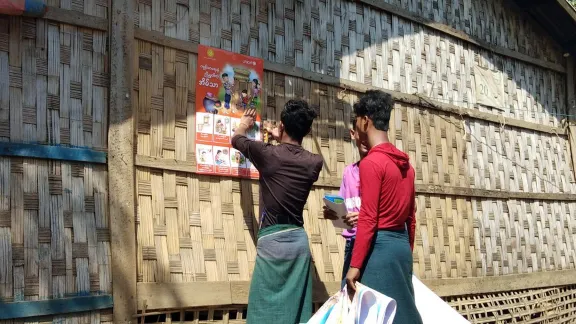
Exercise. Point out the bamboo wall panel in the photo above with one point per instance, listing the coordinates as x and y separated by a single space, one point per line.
191 228
534 306
100 317
53 84
54 224
491 21
97 8
353 41
545 305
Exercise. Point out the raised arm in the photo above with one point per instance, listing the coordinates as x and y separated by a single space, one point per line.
256 151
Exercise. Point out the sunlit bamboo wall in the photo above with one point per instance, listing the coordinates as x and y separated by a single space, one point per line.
195 228
54 225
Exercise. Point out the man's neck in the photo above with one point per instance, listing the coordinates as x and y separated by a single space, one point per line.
288 140
377 137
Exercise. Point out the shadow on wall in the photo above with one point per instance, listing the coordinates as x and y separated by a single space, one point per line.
358 44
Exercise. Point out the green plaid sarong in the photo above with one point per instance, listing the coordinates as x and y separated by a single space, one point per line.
281 287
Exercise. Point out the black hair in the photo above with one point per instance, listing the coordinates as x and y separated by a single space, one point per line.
257 82
297 117
218 152
244 91
224 75
376 105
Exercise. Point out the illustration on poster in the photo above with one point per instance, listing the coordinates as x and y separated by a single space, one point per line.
228 84
238 88
221 157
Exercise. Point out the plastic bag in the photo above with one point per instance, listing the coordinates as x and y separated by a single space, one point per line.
367 307
370 306
334 310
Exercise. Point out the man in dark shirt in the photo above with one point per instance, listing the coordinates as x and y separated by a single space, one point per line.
281 288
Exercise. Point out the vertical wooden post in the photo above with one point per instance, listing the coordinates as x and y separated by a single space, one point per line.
121 173
571 103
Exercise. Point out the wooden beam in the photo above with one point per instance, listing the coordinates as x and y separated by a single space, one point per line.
76 18
333 183
121 174
503 283
418 100
571 103
395 10
52 152
568 8
184 295
37 308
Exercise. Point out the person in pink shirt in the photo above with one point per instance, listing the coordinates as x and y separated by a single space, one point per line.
350 191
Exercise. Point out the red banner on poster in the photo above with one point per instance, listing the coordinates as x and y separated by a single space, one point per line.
226 84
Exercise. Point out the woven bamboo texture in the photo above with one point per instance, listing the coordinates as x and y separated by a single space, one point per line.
202 228
54 226
97 8
546 305
194 227
491 21
94 317
534 306
356 42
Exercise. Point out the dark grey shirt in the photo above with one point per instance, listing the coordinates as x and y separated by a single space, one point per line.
287 173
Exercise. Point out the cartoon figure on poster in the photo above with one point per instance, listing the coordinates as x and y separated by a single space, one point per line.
255 94
245 99
211 104
227 84
227 87
222 126
222 158
204 158
237 159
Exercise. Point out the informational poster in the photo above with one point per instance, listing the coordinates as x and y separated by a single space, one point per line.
226 85
489 88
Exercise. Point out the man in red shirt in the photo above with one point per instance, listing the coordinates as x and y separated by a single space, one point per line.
382 255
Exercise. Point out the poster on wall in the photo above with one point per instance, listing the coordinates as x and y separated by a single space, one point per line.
226 85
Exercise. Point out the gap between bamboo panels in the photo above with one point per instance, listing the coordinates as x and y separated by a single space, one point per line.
181 295
334 182
417 100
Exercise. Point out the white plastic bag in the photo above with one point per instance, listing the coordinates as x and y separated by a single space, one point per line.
334 310
370 306
367 307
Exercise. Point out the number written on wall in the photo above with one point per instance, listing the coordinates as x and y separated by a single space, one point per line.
484 90
489 89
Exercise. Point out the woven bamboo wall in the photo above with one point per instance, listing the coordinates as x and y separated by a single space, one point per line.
99 317
457 237
545 305
54 224
492 21
96 8
356 42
